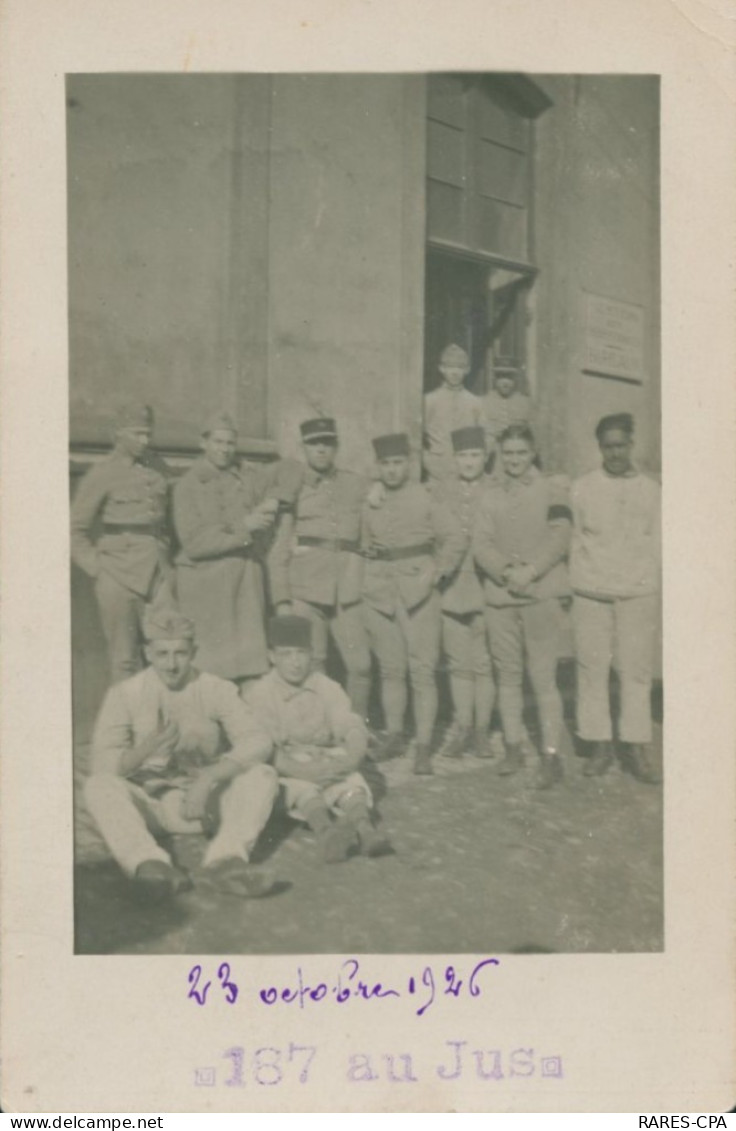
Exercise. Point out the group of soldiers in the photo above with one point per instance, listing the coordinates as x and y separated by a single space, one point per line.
264 565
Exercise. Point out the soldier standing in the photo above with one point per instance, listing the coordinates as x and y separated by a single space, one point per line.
464 638
447 408
120 536
315 565
223 509
408 550
504 405
615 572
521 541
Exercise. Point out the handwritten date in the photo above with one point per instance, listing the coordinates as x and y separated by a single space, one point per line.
349 983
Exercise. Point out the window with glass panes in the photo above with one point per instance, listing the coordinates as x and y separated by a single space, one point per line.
480 138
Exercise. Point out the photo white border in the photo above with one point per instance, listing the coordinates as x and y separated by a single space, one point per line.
636 1032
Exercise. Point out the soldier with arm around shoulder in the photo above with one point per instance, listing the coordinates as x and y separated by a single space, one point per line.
224 510
408 552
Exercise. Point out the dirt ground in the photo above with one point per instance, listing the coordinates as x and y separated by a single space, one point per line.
482 865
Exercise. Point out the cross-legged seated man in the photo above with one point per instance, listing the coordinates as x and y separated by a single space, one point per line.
319 743
167 743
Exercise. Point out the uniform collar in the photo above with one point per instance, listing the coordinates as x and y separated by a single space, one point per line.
314 478
156 681
127 460
207 471
289 690
531 475
630 474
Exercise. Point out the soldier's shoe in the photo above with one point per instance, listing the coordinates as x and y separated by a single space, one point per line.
640 764
159 880
600 761
372 842
233 876
337 841
459 743
422 760
393 746
482 744
513 761
549 772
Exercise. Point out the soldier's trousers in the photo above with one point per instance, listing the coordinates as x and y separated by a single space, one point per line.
346 625
407 641
130 821
620 634
121 613
465 645
532 634
299 794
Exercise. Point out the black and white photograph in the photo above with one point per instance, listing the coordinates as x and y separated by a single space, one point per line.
367 533
365 467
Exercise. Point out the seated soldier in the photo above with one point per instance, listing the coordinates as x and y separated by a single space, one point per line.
165 740
319 744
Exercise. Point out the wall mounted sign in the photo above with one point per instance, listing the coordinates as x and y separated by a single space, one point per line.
614 339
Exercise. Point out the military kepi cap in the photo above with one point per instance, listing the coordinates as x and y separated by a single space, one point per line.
133 415
290 632
393 444
321 428
454 355
219 422
468 439
167 624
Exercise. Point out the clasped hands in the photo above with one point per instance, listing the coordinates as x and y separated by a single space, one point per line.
518 577
161 745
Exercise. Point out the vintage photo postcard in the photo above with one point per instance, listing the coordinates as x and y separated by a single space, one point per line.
368 558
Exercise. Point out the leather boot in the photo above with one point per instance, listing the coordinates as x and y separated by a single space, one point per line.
422 760
159 881
482 744
370 841
599 761
513 760
337 841
550 770
459 743
393 746
640 764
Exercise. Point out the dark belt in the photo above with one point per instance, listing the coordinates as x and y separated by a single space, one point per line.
328 543
401 552
156 530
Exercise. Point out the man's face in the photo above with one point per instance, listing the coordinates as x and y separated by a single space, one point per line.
454 375
292 664
470 463
615 445
393 471
133 441
320 454
505 384
219 447
171 660
517 457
